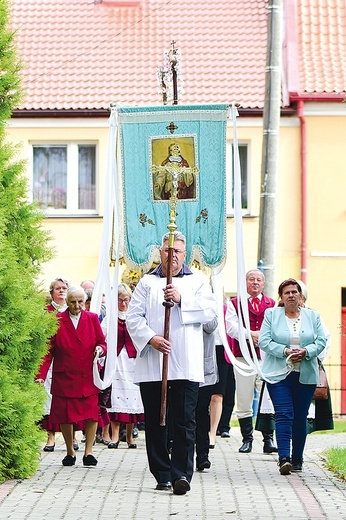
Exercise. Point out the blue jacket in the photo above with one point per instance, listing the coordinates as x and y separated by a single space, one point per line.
275 338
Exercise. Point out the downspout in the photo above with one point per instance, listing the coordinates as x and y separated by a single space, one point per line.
303 254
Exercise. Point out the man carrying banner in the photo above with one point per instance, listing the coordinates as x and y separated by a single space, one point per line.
194 305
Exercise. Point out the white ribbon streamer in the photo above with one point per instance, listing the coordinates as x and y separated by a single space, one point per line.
104 284
217 284
243 308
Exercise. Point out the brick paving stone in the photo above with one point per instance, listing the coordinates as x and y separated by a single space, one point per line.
237 486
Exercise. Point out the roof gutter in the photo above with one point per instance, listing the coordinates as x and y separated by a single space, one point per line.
320 96
104 112
55 113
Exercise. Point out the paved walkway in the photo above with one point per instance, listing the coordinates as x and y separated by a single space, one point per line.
238 486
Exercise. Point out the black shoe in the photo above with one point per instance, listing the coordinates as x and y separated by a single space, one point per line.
49 448
141 426
211 446
285 466
135 432
75 446
181 486
246 447
113 445
89 460
225 435
69 460
205 464
164 486
297 465
269 447
132 446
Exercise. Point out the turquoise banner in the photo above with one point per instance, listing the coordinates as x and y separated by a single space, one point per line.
167 150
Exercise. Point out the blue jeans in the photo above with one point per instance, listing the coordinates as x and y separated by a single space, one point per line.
291 400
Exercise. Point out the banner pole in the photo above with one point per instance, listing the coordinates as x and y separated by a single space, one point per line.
168 305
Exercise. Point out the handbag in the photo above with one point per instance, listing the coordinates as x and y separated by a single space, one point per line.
321 391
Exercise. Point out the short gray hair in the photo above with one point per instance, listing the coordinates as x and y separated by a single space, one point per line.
124 289
89 294
255 271
52 284
177 236
75 289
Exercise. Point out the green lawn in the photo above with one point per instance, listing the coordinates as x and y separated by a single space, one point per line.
336 461
336 457
339 427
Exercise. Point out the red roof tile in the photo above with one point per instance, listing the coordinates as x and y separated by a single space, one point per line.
322 46
84 54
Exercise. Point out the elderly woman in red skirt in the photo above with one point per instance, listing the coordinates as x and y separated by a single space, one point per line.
74 395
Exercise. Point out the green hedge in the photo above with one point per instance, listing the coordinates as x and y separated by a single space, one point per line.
25 326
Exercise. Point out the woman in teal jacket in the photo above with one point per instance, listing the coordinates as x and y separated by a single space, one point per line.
291 337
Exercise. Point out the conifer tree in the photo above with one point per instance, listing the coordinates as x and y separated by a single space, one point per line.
24 324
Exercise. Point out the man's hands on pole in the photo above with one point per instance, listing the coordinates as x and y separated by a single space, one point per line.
159 343
172 293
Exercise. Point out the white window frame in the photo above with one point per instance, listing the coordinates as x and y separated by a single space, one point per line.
230 178
72 178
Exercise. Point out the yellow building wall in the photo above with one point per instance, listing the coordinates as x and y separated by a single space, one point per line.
326 229
288 218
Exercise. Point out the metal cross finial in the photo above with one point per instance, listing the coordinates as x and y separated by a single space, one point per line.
174 61
169 75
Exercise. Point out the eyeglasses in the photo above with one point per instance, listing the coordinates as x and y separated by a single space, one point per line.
125 300
176 251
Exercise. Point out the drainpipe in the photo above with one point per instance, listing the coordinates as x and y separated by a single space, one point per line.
303 189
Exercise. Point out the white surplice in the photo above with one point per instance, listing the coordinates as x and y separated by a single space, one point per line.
145 319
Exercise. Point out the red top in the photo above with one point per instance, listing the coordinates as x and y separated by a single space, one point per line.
124 340
256 320
73 353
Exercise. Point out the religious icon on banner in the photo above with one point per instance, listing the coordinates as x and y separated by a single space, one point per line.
173 168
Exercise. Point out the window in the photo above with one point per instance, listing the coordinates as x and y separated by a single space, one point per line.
243 158
64 178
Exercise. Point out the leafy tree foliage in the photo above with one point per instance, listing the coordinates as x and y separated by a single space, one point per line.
24 324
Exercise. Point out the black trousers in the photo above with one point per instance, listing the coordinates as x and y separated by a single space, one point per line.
226 387
203 424
182 397
228 401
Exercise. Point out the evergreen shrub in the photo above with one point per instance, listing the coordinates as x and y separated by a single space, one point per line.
25 326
